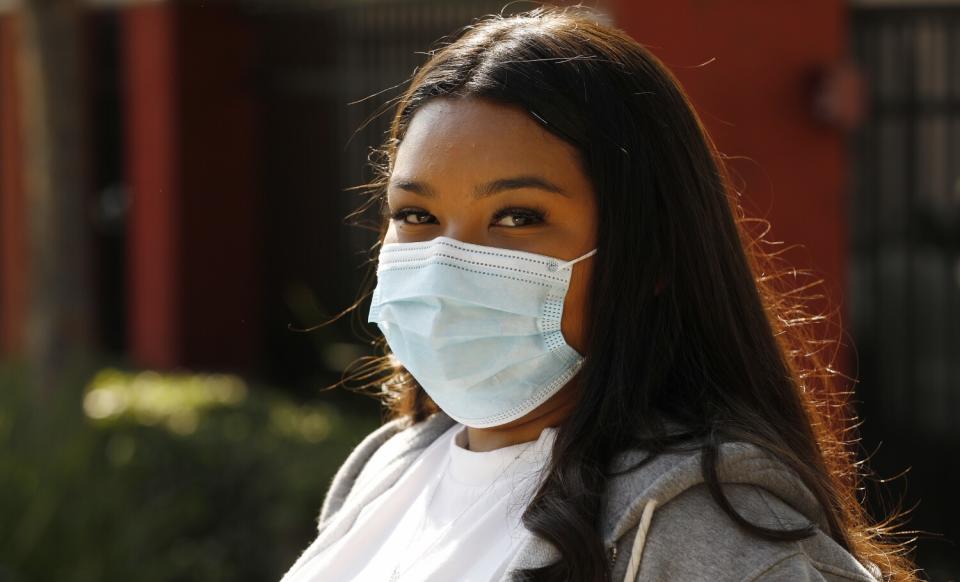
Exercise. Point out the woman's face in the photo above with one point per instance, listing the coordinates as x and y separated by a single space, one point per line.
454 148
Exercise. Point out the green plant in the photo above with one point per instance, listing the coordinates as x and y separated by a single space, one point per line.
162 477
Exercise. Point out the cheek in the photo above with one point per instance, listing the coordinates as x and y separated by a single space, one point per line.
390 236
574 322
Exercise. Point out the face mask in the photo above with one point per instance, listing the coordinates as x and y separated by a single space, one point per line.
477 326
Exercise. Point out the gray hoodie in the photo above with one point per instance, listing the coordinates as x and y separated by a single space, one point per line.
659 521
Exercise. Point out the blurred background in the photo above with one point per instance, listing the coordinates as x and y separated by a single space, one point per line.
173 197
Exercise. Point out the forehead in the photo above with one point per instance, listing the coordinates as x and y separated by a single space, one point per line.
476 137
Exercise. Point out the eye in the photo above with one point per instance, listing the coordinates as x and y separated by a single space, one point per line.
412 216
515 217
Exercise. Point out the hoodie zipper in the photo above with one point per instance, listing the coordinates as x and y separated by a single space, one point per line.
613 554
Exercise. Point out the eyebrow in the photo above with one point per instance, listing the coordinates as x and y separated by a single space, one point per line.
485 190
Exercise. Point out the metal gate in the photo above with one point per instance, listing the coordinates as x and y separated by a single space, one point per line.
905 221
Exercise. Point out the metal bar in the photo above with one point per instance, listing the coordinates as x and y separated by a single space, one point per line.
952 255
912 80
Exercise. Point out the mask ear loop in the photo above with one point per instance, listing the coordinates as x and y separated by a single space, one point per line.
555 266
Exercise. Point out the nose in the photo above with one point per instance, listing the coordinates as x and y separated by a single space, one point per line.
466 229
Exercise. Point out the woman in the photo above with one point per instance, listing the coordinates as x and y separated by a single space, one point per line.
592 374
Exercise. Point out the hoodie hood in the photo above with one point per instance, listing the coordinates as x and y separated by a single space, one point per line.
670 474
642 488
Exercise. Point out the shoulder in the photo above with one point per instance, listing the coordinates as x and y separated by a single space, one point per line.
691 537
394 443
354 464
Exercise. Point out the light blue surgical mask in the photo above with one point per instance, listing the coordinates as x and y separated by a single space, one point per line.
477 326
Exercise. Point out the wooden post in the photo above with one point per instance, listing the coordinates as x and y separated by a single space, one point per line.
59 319
152 123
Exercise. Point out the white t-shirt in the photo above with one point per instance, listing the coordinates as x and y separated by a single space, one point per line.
470 530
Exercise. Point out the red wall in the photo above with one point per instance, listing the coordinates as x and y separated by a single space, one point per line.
194 279
755 97
220 168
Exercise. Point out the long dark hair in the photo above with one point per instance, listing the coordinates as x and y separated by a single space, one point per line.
727 347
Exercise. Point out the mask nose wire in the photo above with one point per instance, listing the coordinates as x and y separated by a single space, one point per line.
557 266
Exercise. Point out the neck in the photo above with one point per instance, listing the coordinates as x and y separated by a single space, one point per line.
527 428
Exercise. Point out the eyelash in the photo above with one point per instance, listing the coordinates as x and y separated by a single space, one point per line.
536 214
